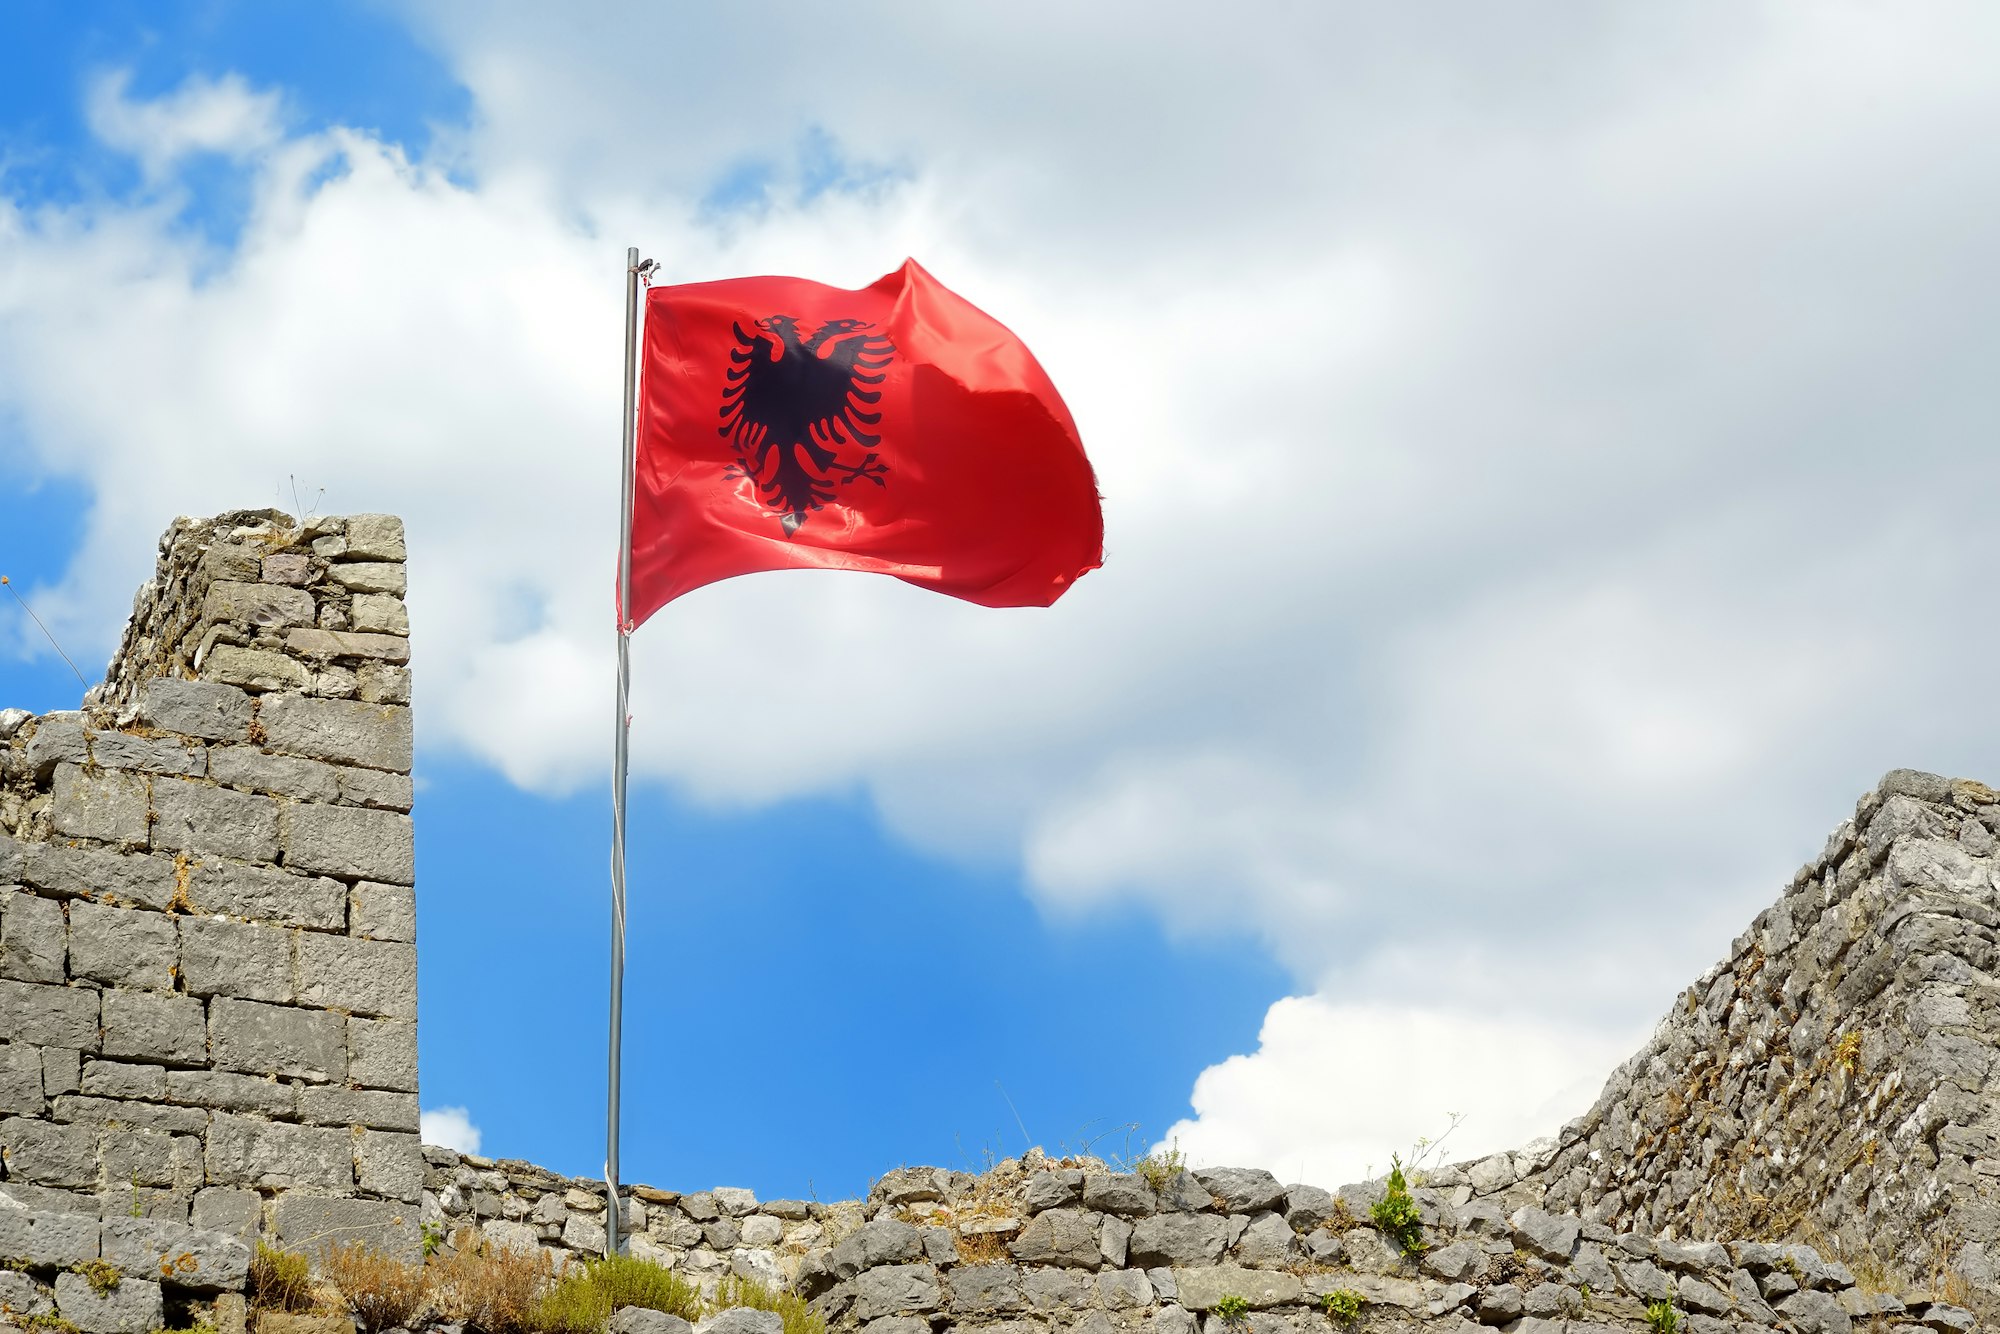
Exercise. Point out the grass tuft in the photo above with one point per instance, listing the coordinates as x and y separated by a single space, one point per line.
797 1313
381 1291
280 1280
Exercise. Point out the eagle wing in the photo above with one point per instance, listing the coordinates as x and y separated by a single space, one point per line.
750 400
837 404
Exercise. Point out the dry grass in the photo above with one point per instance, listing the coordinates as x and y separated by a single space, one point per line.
280 1280
382 1291
494 1289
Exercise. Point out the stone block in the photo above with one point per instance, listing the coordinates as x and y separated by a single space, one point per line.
121 1079
380 683
642 1320
311 1224
196 1259
379 613
21 1079
44 1238
268 895
33 938
23 1298
225 1209
261 1039
349 841
329 644
1199 1289
1553 1237
382 912
1177 1239
375 537
1123 1193
196 708
373 787
81 1109
881 1241
133 1307
326 1106
89 872
365 976
168 1029
888 1290
254 669
61 1067
58 738
1243 1190
123 947
48 1016
390 1165
375 736
273 1155
46 1154
147 754
13 856
370 577
288 567
213 821
987 1289
246 960
135 1158
382 1053
272 606
284 775
1066 1237
108 806
742 1320
232 1092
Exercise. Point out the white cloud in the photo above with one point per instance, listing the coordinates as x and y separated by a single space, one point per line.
1334 1089
223 116
1545 461
449 1128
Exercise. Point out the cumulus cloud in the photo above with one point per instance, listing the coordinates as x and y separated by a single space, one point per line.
449 1128
1544 459
1333 1089
223 116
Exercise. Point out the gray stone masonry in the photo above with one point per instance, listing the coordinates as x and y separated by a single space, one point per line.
207 921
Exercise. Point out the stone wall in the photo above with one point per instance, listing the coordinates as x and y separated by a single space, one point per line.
1835 1077
1042 1246
208 991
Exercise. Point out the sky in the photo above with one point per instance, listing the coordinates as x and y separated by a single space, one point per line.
1547 459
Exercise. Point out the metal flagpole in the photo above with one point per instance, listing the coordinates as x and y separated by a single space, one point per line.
611 1209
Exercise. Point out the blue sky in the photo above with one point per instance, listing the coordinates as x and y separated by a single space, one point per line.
1546 463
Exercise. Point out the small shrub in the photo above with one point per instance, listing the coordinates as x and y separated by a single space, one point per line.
494 1289
1160 1168
381 1291
102 1275
1662 1318
280 1280
797 1313
1847 1053
582 1300
433 1235
1396 1213
1342 1304
1233 1310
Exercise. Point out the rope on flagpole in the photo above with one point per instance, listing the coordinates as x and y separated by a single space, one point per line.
634 272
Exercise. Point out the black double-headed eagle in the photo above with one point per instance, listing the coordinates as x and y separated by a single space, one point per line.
792 406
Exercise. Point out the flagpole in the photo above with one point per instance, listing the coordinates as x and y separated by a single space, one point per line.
620 756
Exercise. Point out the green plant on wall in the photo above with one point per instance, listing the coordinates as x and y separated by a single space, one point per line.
1396 1213
1234 1310
1342 1304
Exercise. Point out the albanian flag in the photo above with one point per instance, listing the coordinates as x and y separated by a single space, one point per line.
899 429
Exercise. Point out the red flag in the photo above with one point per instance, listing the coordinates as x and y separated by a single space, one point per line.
899 429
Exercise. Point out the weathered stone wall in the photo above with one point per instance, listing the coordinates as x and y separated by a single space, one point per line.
208 991
1835 1077
1039 1246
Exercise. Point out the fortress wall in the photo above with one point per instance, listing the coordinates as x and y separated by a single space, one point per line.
208 988
1836 1076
